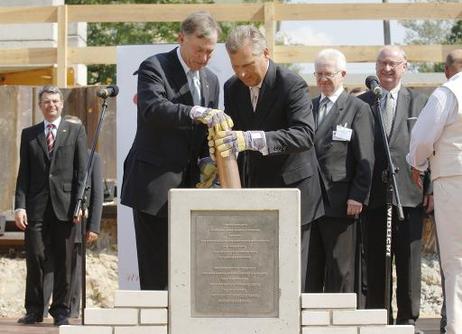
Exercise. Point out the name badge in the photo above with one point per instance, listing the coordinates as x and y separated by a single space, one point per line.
342 133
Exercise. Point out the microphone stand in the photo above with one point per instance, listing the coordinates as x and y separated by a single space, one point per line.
81 206
389 178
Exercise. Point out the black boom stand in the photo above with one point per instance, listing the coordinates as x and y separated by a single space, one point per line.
389 178
83 191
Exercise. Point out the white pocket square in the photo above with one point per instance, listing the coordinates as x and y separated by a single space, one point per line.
411 118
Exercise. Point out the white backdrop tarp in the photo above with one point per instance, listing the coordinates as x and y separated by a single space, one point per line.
128 61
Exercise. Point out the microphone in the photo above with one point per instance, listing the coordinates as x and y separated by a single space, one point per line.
109 91
373 84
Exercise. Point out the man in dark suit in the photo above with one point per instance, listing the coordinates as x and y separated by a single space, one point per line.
95 200
345 151
176 93
52 166
400 108
271 111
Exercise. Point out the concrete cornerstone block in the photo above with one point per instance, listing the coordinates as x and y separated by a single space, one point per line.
315 318
359 317
329 330
328 300
154 316
120 316
85 330
130 298
407 329
141 330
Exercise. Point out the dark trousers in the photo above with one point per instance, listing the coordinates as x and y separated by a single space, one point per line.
305 245
331 258
49 245
76 284
152 249
406 250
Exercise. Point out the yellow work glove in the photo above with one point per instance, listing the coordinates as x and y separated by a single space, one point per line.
230 142
213 118
208 173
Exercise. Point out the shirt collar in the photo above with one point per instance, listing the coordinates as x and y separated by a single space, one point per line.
394 91
183 64
56 122
261 82
334 96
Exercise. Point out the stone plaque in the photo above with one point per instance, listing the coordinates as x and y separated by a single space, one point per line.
234 267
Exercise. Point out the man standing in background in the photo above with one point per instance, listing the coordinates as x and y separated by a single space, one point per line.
437 137
176 96
400 107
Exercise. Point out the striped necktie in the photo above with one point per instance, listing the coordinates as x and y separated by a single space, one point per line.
195 87
50 138
322 109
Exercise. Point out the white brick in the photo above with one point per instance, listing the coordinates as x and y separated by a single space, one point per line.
328 300
154 316
141 330
315 318
359 317
120 316
329 330
130 298
401 329
85 330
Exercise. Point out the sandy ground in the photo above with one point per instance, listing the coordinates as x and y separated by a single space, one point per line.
102 282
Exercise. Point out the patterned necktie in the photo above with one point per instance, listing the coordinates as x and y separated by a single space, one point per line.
50 138
254 96
322 109
389 113
195 87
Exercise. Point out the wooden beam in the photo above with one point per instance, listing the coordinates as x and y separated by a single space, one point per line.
36 77
368 11
270 26
61 79
27 56
18 15
361 54
93 55
162 12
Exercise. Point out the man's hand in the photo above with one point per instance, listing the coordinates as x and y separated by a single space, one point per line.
354 208
78 219
91 237
416 176
208 173
213 118
20 218
229 142
428 203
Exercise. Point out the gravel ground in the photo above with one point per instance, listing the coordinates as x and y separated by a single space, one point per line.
102 282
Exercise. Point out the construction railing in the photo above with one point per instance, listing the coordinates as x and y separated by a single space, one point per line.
268 13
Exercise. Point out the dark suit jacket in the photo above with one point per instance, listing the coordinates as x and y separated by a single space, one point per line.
284 112
59 178
95 198
167 143
346 166
408 107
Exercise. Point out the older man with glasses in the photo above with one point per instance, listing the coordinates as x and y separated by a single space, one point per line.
400 108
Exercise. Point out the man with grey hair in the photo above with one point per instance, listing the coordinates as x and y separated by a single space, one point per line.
274 126
345 151
176 95
400 107
53 157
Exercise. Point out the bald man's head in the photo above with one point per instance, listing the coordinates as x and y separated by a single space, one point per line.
453 63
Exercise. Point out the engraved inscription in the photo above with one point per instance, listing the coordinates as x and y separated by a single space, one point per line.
234 264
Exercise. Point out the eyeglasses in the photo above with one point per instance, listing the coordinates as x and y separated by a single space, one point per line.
391 64
319 75
50 101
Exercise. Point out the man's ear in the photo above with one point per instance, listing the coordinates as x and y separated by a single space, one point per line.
180 38
266 53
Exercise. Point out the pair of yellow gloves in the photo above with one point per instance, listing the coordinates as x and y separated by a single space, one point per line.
221 139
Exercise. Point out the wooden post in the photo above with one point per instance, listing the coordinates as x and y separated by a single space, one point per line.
228 171
269 26
61 79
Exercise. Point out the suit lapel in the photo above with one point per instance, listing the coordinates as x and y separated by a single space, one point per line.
328 124
266 95
42 142
61 135
177 77
402 107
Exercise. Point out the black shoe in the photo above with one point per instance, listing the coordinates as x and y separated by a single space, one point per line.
30 318
61 320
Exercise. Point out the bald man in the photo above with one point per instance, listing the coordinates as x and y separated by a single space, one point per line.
436 142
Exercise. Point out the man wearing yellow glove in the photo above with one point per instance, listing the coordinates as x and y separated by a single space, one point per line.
274 127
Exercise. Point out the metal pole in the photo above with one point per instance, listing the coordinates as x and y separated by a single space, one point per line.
386 29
